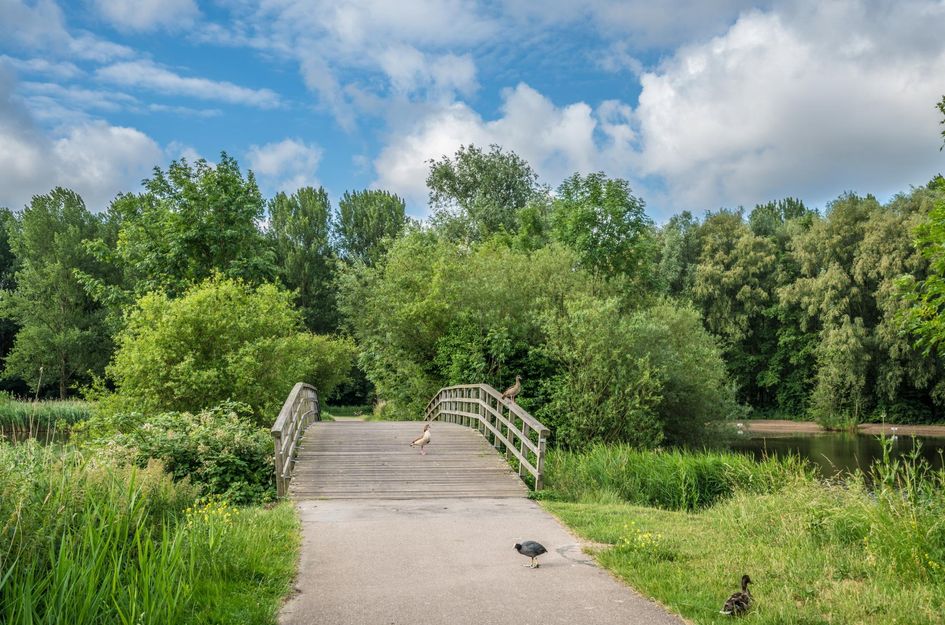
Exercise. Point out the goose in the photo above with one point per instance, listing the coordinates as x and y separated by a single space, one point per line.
512 392
532 550
423 441
739 602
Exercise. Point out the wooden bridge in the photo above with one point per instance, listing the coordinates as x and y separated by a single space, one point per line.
481 446
390 536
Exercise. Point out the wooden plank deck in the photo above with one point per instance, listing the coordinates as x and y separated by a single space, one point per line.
374 460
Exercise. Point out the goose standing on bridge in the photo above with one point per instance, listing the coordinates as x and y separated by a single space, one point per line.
512 392
423 441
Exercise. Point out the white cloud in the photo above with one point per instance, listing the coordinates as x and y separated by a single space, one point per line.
285 166
95 159
556 141
784 105
148 75
146 15
63 70
41 26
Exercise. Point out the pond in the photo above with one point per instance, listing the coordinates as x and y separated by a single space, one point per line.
838 452
42 434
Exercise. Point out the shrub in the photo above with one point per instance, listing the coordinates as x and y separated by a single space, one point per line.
222 340
637 378
216 449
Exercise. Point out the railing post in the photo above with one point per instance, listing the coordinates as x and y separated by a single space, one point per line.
280 481
540 466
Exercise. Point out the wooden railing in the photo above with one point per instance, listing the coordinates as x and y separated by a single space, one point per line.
299 410
507 426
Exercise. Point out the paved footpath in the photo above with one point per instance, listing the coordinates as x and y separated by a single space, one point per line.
451 562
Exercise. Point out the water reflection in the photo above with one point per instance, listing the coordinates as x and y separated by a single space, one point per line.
838 452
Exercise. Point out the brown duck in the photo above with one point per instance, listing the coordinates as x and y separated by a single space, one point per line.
511 392
739 602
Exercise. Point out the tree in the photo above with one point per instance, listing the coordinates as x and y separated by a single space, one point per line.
477 194
367 223
221 340
606 225
679 247
8 265
191 222
61 329
299 232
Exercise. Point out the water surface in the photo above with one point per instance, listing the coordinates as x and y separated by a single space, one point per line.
838 452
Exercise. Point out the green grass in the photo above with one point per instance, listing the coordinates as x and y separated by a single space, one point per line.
677 480
349 411
42 415
818 553
85 540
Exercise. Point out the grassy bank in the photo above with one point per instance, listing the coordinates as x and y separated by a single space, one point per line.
86 541
41 415
818 553
666 479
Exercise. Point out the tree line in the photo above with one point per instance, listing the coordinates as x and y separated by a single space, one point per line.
622 329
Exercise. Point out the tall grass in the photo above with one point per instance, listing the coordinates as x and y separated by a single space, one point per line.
18 416
86 541
675 480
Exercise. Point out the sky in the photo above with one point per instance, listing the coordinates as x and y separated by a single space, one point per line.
700 105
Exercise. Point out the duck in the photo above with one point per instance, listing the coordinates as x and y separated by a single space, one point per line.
739 602
512 392
531 549
423 441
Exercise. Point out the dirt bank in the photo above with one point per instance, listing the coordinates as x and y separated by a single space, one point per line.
781 426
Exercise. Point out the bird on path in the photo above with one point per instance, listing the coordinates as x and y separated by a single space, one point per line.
532 550
739 602
423 441
512 391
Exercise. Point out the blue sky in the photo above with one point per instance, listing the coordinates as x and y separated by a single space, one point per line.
702 105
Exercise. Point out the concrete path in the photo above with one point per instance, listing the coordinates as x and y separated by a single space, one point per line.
450 562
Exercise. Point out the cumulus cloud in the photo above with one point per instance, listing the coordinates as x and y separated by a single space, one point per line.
146 15
286 165
784 105
557 141
149 75
41 26
95 159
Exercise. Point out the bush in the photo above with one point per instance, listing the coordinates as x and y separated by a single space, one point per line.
639 378
222 340
216 449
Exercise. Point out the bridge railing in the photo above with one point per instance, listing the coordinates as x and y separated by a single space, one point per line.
506 425
300 409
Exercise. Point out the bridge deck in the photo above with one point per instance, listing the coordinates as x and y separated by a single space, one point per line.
374 460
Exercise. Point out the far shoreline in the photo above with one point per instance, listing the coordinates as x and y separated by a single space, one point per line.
784 426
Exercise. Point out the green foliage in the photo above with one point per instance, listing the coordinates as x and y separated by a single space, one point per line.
221 340
438 313
926 316
87 541
216 449
477 194
605 224
941 107
192 221
367 222
61 330
299 232
674 480
604 391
